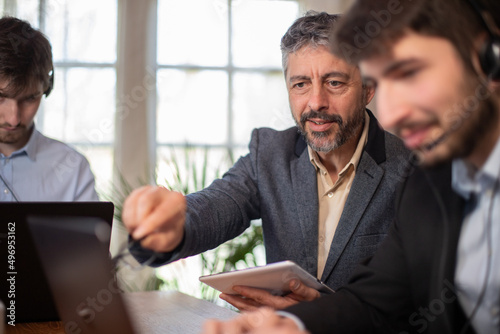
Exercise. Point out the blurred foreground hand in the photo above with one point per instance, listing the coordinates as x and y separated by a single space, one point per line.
261 321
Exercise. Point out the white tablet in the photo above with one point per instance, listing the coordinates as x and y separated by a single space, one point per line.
273 277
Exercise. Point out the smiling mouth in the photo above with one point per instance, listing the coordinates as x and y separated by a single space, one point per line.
422 138
318 123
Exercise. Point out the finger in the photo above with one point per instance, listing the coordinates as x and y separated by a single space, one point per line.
243 323
166 208
236 326
262 297
158 242
263 317
301 292
167 237
278 325
278 329
129 214
242 304
262 321
275 323
148 201
211 327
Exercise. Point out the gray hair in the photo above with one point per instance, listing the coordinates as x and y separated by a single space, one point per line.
313 29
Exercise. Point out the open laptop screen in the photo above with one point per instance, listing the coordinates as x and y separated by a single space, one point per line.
75 257
26 295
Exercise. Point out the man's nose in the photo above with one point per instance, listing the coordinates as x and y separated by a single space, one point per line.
10 112
392 107
318 99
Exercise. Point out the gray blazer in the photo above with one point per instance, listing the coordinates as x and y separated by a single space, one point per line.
276 182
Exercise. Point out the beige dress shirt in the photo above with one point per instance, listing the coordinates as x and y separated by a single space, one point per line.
332 197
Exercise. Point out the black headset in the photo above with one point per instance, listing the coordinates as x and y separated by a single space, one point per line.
51 83
489 54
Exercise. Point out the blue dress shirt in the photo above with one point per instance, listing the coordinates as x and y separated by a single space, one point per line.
46 170
478 259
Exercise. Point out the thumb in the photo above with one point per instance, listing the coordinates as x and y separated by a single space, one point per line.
305 292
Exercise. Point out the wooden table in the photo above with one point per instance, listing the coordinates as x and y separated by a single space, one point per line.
153 312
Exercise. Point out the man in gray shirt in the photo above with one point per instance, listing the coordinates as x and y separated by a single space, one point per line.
323 189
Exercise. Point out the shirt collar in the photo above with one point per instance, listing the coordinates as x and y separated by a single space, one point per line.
314 158
466 179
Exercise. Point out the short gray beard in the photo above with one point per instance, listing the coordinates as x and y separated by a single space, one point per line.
346 131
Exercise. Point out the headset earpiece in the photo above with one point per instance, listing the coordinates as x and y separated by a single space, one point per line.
489 57
489 54
51 83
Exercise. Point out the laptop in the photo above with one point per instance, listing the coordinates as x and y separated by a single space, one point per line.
26 295
82 278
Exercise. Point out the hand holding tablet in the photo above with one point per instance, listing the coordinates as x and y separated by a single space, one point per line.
274 278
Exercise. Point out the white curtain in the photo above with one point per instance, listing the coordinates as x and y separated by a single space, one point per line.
134 151
134 145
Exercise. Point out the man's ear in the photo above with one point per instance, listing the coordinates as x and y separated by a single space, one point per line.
485 57
475 55
370 92
493 83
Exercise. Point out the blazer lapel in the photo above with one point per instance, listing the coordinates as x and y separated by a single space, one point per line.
451 221
305 189
366 181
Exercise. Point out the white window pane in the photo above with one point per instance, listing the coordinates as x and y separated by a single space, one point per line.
27 10
189 169
257 30
81 108
192 107
101 164
192 32
51 116
91 29
259 101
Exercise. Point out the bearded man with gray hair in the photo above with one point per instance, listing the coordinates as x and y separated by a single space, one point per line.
324 189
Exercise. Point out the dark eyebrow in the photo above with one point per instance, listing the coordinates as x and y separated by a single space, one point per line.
389 70
335 74
299 78
396 66
32 95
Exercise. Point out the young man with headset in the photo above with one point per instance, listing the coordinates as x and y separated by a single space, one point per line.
436 66
32 166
